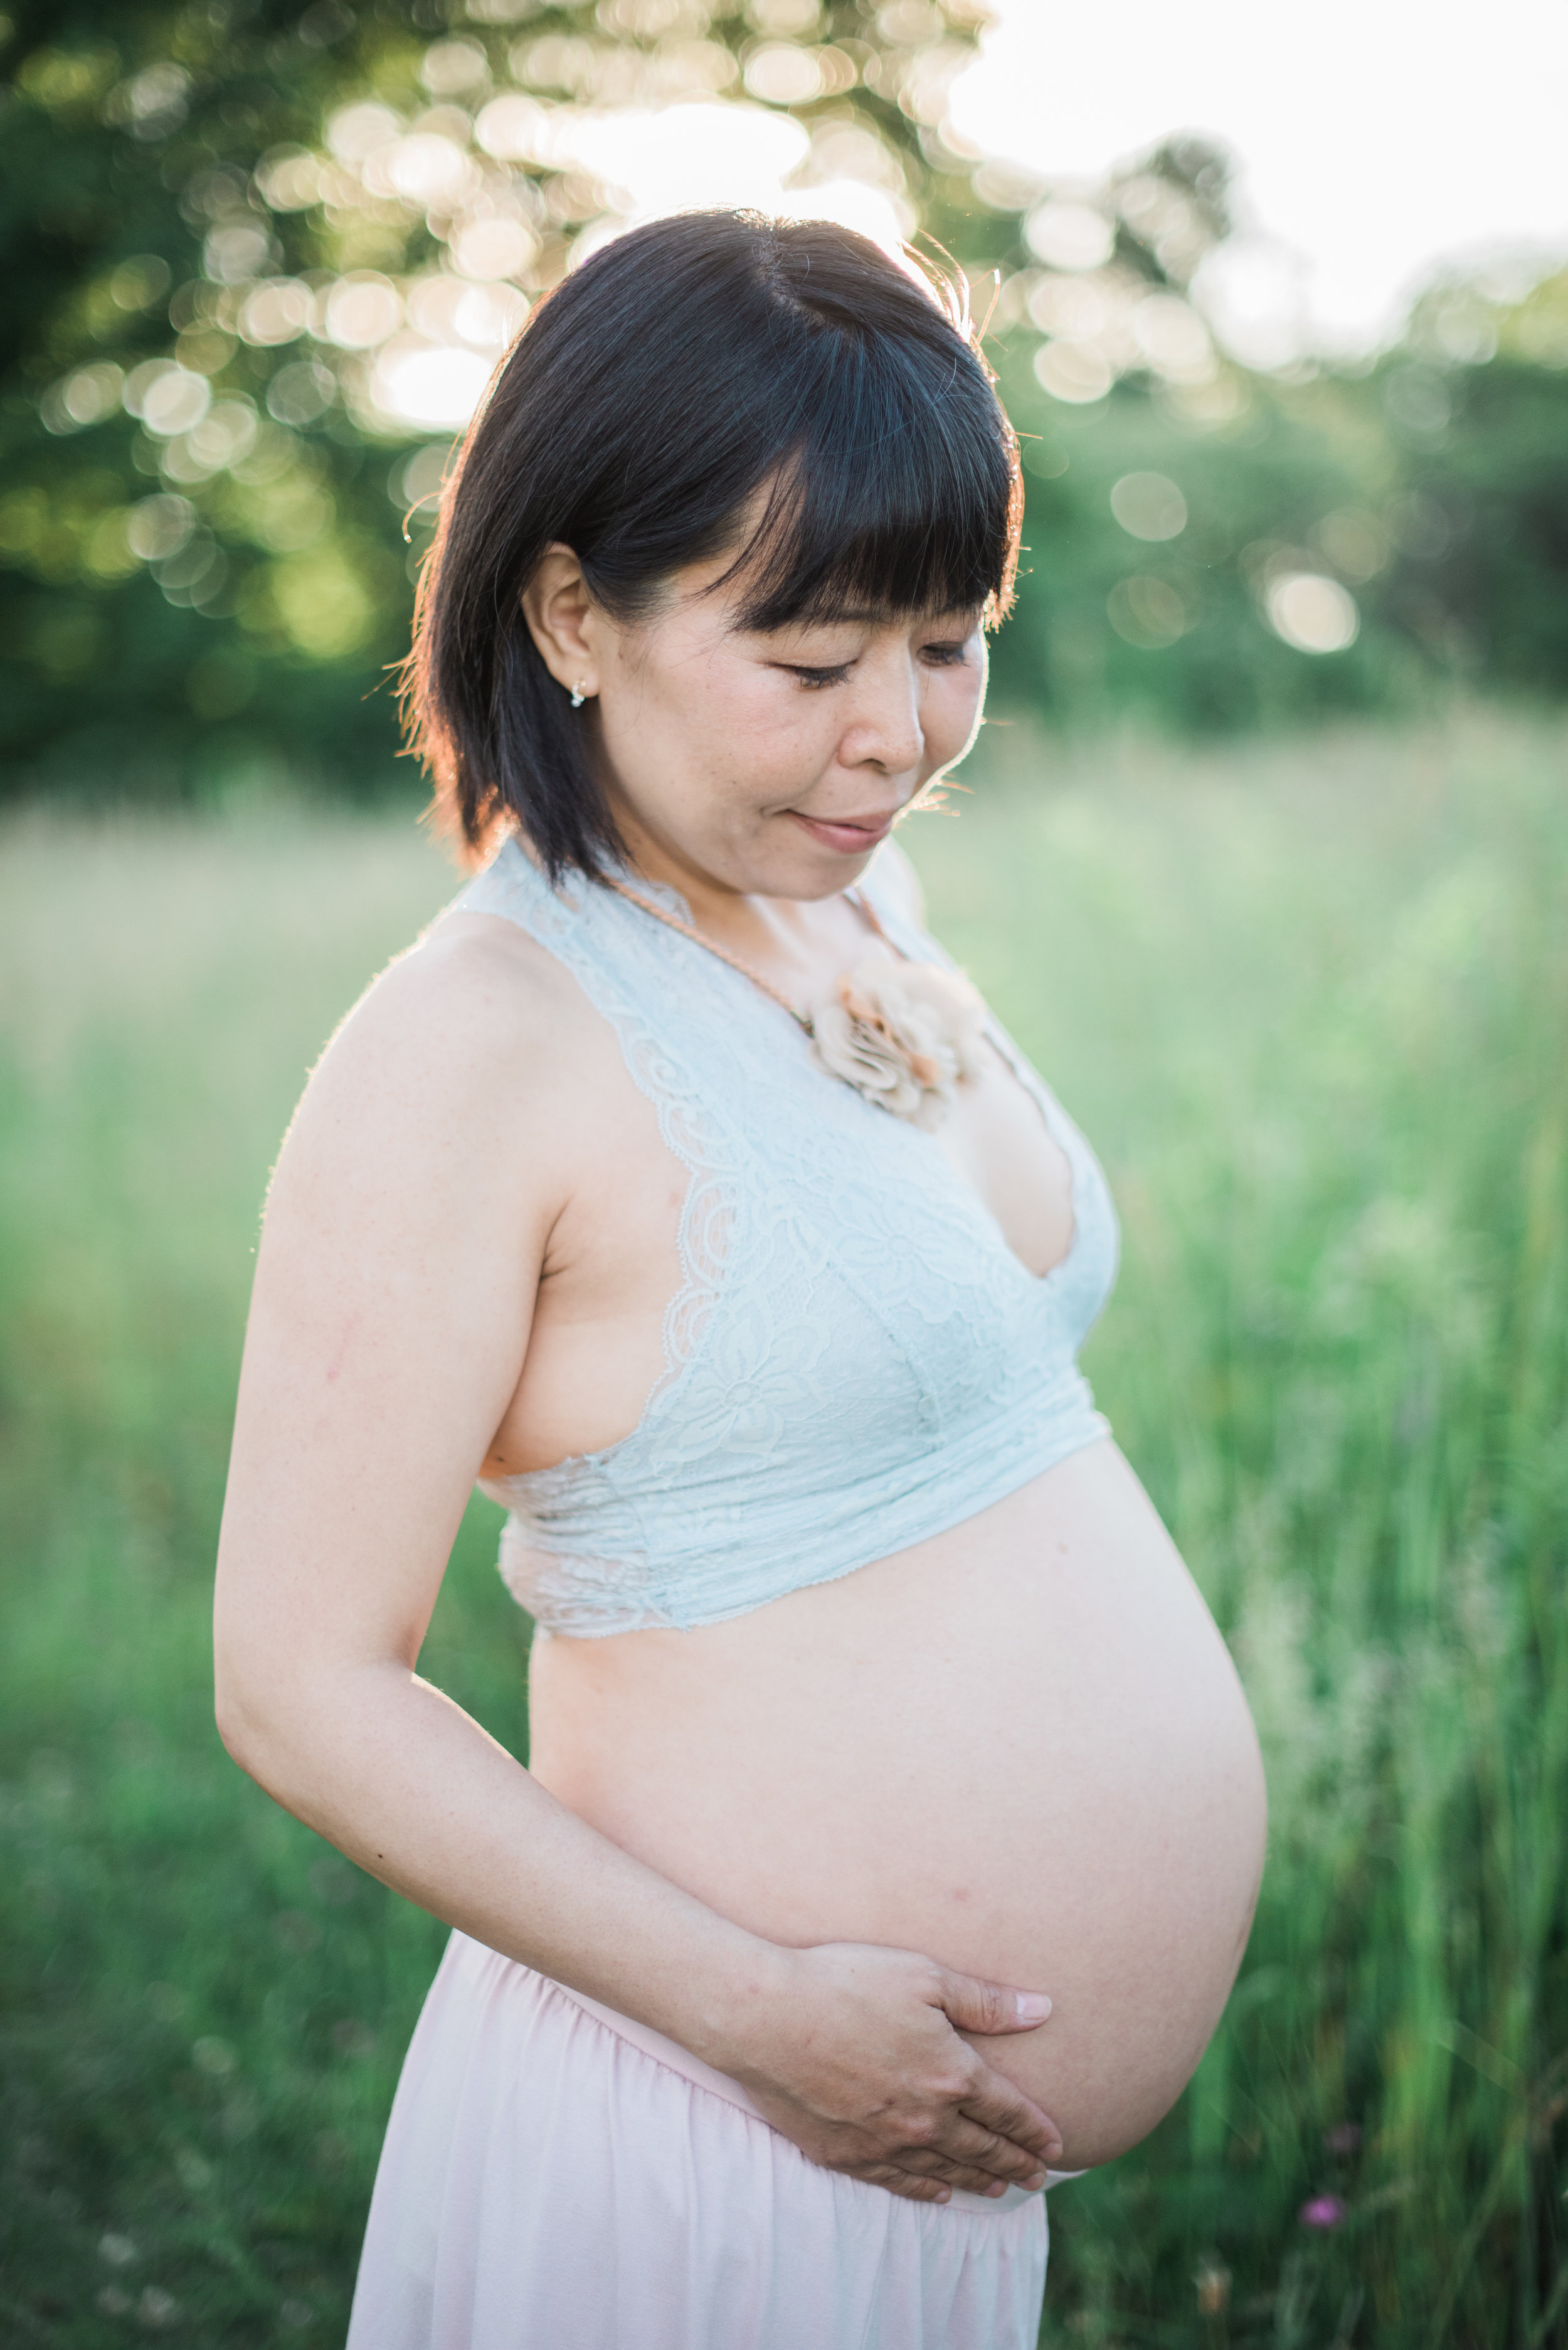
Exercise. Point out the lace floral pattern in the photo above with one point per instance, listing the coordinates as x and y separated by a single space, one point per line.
855 1358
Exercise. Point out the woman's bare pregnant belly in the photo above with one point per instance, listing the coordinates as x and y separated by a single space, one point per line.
1020 1747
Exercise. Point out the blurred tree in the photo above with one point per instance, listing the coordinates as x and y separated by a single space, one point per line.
1477 399
260 263
1176 569
1213 549
256 259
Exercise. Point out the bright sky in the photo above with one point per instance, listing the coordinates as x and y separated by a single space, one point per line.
1376 136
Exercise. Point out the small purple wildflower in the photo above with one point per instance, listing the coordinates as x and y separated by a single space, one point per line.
1323 2212
1343 2139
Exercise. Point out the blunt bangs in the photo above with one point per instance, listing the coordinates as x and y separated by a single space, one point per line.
889 507
686 371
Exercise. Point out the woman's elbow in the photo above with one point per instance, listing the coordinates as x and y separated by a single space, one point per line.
257 1711
239 1726
282 1718
257 1686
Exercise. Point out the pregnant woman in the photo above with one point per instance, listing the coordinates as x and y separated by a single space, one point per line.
678 1188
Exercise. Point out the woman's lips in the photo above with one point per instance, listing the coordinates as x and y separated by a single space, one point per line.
851 839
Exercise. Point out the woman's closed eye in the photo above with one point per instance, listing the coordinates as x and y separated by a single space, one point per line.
946 655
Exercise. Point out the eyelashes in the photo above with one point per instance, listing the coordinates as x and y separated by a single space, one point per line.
935 656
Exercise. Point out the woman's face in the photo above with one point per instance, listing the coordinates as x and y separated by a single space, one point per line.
767 763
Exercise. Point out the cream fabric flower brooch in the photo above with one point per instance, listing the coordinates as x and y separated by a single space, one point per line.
905 1035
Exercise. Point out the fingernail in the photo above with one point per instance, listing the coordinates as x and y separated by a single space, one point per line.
1035 2178
1033 2006
998 2187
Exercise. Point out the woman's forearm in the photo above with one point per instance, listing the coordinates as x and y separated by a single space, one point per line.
411 1787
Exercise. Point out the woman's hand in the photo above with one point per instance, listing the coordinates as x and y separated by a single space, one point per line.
855 2055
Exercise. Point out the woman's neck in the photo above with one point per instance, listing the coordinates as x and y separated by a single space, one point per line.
800 943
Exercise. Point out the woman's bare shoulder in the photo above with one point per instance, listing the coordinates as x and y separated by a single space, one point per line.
464 1055
475 997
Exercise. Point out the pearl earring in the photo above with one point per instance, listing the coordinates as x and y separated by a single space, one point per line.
578 696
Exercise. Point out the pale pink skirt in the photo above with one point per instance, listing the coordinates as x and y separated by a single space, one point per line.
558 2177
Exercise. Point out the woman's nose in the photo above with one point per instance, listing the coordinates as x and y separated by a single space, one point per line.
885 729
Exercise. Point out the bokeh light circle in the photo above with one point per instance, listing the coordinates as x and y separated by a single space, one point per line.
1074 372
1312 613
1149 506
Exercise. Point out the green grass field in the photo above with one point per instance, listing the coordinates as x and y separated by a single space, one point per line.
1311 1001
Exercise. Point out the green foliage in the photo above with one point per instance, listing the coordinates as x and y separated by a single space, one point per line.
221 243
1485 578
181 604
1437 500
1309 1001
107 193
1174 633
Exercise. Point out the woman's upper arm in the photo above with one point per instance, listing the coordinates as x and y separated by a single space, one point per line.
395 1282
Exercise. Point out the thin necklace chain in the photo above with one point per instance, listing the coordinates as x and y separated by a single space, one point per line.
688 930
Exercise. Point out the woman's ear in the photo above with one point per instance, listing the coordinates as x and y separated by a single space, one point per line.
563 620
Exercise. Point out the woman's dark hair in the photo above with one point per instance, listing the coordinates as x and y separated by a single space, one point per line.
647 399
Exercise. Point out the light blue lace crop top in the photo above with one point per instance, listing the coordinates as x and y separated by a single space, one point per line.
856 1359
